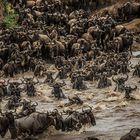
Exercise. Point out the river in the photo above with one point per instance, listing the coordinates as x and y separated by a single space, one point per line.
114 115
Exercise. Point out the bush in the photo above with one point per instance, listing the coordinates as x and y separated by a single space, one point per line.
10 16
10 20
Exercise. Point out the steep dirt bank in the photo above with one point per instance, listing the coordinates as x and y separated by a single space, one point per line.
133 25
110 5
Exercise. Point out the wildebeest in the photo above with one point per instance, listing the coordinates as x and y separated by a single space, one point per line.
35 123
132 135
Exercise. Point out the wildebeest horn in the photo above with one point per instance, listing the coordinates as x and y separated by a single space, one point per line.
87 106
126 77
83 110
129 62
129 58
30 101
113 78
8 81
35 104
1 43
56 110
20 82
14 111
24 79
63 84
90 107
37 81
134 88
25 100
64 111
132 66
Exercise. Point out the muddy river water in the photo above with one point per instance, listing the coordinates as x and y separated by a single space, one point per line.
114 115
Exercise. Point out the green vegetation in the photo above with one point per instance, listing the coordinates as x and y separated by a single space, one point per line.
10 16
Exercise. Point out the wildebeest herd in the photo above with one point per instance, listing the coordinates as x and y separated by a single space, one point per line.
83 47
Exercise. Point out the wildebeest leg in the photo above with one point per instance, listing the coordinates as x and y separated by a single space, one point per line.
92 118
98 42
13 132
131 50
102 41
3 133
11 75
115 88
62 95
6 73
14 3
97 3
36 128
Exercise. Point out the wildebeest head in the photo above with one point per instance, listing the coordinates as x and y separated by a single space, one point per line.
51 121
120 80
58 118
128 90
135 132
90 115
